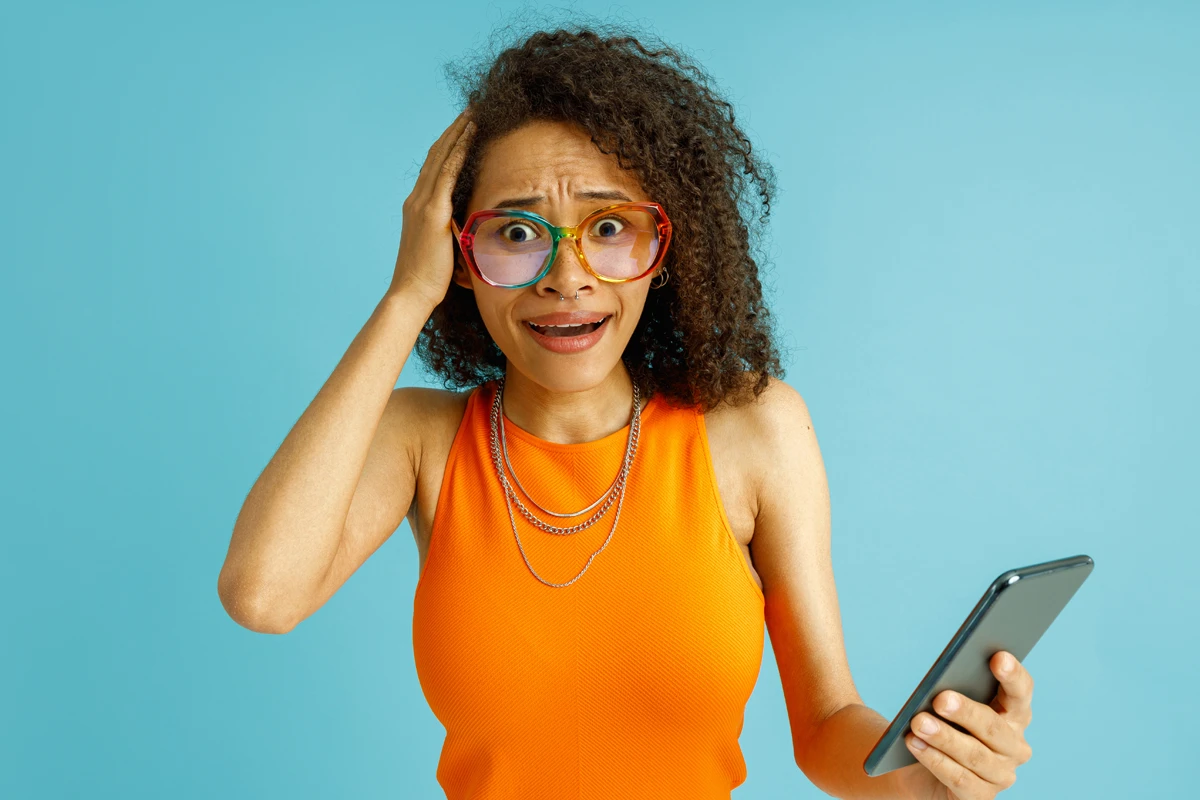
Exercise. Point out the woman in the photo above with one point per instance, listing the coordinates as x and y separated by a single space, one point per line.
588 620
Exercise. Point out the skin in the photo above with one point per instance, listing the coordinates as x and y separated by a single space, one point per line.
378 454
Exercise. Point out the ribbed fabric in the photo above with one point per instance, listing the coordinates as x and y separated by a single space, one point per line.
631 682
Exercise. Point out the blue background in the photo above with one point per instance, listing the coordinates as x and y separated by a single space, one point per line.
984 264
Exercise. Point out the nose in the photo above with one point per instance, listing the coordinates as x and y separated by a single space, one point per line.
567 275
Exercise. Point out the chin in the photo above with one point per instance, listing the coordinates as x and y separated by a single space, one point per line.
566 377
567 372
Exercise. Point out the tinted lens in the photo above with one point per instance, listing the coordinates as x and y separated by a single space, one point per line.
510 250
621 243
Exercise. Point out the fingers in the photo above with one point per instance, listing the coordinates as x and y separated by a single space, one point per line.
981 721
981 759
453 162
425 258
962 782
965 750
438 148
438 151
1015 696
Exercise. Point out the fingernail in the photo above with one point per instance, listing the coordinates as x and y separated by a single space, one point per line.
916 743
951 702
928 726
1006 664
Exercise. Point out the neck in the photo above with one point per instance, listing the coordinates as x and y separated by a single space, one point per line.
569 417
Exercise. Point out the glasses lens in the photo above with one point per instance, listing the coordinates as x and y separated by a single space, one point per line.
510 250
621 243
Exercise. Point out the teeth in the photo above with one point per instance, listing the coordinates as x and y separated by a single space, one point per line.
575 325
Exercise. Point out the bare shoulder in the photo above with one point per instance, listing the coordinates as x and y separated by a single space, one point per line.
777 403
749 443
760 436
436 415
428 412
432 415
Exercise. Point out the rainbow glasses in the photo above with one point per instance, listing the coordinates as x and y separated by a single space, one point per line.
513 249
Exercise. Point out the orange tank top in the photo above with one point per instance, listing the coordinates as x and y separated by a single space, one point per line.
632 681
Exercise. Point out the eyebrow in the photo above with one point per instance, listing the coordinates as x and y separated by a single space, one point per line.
526 202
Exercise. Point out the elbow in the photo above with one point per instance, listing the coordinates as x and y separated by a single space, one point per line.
250 608
808 739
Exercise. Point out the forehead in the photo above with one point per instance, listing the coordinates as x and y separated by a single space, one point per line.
549 158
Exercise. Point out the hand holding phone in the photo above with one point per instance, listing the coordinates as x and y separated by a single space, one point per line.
975 748
1011 616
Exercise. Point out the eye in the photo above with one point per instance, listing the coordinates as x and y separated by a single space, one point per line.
608 227
520 232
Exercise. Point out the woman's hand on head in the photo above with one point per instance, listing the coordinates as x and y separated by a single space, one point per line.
425 262
981 763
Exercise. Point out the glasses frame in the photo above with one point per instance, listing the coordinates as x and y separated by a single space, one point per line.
466 235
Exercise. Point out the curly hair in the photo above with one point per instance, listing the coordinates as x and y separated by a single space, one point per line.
704 337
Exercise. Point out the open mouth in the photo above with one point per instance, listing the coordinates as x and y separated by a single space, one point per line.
568 330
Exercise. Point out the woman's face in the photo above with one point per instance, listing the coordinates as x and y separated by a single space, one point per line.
556 171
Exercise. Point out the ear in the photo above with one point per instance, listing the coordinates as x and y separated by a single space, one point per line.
462 273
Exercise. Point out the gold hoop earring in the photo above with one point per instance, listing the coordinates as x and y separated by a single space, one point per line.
666 276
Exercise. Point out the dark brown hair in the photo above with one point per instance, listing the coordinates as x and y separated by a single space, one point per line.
706 335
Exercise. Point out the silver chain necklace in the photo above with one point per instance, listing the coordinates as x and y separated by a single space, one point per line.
613 487
608 497
616 491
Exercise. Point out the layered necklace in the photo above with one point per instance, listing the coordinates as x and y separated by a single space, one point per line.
614 493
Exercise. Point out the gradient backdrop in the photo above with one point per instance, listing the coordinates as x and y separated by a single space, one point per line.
984 267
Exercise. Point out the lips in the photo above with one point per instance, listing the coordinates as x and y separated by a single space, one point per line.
567 324
568 338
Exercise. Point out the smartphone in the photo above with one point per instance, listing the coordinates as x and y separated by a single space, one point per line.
1012 615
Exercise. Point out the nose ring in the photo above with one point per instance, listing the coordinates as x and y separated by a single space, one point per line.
560 295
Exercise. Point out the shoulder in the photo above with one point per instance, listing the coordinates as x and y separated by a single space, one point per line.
779 405
772 419
765 432
428 417
432 417
428 402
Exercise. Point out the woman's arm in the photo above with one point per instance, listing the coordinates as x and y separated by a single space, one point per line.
291 524
832 731
283 560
